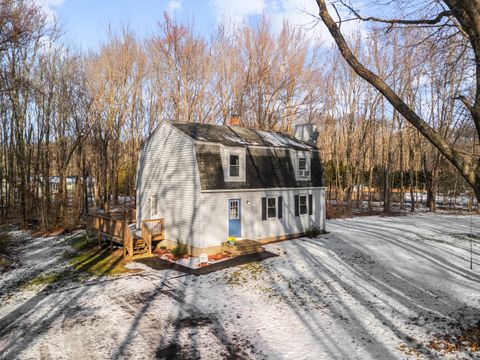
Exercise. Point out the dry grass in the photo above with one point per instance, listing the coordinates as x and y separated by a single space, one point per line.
338 211
466 339
40 281
245 273
97 260
4 244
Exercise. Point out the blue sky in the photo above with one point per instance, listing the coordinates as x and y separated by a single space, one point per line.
85 21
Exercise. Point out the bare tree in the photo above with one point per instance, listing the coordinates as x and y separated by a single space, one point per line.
461 16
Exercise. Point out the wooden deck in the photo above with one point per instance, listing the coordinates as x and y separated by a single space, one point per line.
243 247
119 228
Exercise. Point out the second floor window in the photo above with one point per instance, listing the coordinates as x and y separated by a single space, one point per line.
302 167
234 165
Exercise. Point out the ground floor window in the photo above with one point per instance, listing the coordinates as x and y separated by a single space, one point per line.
272 207
303 205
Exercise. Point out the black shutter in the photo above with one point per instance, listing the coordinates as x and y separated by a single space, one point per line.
310 204
280 207
264 208
297 206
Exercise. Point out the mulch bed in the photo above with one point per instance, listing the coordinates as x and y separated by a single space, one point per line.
160 264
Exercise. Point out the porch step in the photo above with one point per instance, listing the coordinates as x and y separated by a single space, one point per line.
242 247
139 247
135 253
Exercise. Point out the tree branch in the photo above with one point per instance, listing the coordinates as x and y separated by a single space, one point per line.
435 20
459 159
465 102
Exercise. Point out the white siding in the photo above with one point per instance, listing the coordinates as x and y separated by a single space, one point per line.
215 214
167 170
168 176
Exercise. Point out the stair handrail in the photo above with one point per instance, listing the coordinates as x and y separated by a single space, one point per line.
127 240
156 229
147 236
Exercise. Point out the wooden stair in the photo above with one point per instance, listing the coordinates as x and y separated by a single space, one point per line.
242 247
139 246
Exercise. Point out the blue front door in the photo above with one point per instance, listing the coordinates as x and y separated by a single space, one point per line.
234 222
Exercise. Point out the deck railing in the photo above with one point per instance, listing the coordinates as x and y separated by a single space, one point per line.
116 229
106 226
128 241
129 215
152 230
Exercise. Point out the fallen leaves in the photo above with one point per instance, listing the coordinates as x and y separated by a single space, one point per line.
466 339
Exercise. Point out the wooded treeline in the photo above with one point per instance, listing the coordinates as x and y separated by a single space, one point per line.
83 116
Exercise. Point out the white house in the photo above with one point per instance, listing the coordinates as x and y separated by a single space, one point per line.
210 182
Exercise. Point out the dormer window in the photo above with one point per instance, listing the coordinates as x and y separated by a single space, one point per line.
303 169
302 165
234 165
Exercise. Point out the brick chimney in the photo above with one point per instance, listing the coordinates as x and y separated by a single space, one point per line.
234 120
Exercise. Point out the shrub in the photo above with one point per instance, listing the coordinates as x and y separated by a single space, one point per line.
180 250
338 211
313 232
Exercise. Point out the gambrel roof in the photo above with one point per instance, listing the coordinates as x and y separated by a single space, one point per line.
268 160
237 136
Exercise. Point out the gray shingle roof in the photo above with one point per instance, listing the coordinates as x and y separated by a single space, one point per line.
265 168
268 162
237 136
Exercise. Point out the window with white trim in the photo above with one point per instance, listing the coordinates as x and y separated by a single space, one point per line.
271 207
234 165
303 205
303 169
233 160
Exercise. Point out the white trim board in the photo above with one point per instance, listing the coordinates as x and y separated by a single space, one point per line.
264 189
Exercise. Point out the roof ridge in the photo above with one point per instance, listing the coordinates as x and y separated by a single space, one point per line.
241 136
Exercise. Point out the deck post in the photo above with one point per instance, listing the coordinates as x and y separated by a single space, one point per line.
111 229
124 239
130 246
99 236
101 224
127 240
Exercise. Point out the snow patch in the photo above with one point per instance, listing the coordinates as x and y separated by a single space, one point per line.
279 140
373 288
239 140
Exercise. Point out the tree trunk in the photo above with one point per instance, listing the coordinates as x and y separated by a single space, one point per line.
466 12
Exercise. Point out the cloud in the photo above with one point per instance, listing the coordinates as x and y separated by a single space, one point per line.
299 13
174 5
236 11
48 7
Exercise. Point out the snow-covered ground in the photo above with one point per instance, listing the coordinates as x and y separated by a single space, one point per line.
462 201
373 288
